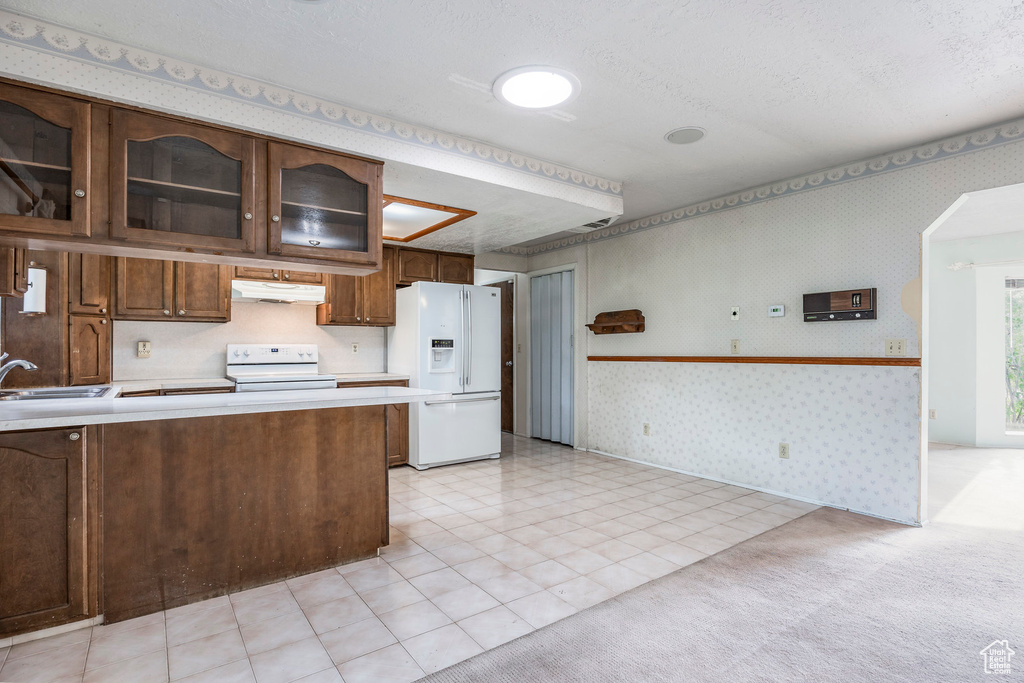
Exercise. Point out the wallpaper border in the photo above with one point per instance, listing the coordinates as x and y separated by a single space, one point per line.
945 148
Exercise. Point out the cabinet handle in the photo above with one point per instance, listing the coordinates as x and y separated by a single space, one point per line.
79 193
358 319
103 310
103 322
275 218
181 312
166 312
248 216
287 276
74 436
275 276
315 243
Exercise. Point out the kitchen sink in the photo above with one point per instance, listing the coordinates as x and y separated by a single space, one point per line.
53 392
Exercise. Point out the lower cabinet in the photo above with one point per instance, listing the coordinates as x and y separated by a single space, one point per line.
48 555
398 434
397 420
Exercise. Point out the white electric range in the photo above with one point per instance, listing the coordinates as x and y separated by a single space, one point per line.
276 367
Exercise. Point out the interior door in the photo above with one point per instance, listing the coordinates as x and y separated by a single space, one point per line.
551 357
483 339
508 347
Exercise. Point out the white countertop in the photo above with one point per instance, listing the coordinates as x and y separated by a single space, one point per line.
197 383
44 414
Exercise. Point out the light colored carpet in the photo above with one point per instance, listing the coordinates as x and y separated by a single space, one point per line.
831 596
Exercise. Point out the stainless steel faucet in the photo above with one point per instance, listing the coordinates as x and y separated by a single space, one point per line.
7 367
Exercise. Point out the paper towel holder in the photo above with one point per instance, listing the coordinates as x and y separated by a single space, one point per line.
34 301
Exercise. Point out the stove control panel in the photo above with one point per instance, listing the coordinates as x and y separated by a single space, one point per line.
278 354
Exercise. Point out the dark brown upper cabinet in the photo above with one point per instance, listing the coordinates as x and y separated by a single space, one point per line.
181 185
416 266
323 206
368 300
89 359
274 275
44 163
13 272
168 290
456 268
88 284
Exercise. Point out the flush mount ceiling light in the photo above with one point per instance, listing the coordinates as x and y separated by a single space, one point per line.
685 135
536 87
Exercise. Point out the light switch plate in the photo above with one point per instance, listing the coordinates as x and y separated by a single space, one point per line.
776 311
734 346
145 349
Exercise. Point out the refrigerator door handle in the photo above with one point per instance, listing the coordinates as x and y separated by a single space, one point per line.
469 336
462 341
461 400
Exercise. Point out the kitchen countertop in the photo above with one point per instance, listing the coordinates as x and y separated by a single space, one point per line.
67 412
199 383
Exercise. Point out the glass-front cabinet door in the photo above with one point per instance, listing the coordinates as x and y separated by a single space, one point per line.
180 184
323 206
44 157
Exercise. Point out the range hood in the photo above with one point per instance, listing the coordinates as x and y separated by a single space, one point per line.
276 292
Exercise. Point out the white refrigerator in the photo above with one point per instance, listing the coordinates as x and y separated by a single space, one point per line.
447 337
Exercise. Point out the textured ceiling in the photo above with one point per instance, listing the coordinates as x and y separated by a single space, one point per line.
782 86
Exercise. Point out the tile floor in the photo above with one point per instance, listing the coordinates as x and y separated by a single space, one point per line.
480 553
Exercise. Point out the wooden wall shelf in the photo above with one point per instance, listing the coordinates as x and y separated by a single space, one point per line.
618 322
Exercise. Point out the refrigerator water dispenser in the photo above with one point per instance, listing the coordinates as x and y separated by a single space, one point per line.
442 355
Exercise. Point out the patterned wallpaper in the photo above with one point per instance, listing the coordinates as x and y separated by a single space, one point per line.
852 431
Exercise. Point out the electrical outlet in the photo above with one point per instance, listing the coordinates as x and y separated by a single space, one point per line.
647 428
784 451
735 346
355 348
931 414
520 347
735 315
895 347
145 349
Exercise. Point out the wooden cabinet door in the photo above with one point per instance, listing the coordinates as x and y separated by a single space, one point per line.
13 272
416 266
145 289
88 284
323 205
176 184
265 274
301 278
89 361
379 292
398 434
344 304
43 550
44 169
455 268
202 292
